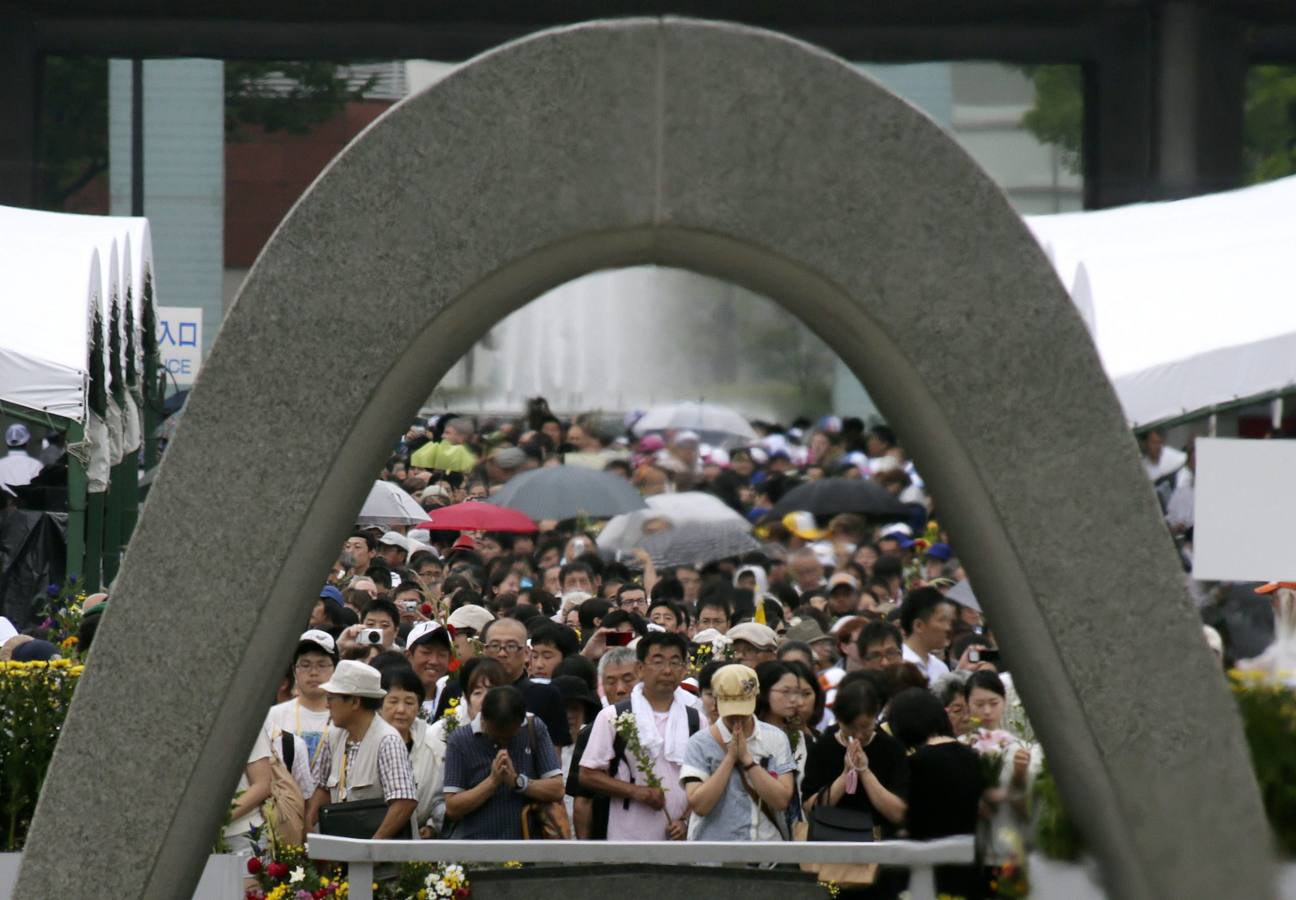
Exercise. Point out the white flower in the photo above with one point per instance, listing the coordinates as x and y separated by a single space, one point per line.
298 874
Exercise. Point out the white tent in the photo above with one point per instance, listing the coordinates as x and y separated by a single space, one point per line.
1190 303
44 335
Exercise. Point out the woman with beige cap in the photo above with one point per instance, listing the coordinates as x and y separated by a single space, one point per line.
738 773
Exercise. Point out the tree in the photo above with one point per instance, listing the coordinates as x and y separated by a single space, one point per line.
1057 117
293 97
1269 129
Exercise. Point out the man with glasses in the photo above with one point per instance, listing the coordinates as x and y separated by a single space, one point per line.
663 723
307 715
505 640
633 599
879 646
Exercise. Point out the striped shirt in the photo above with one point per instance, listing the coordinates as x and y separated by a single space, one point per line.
394 771
469 754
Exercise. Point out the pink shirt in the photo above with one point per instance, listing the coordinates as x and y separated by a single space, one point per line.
639 822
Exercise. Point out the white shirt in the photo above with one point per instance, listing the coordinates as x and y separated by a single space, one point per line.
17 468
932 667
1179 511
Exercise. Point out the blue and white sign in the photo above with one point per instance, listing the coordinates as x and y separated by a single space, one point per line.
179 336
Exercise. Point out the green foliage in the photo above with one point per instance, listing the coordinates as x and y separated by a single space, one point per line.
1056 836
73 146
292 97
1057 117
1270 147
1268 711
34 699
1269 130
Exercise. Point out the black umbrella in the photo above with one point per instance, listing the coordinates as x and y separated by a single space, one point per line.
830 496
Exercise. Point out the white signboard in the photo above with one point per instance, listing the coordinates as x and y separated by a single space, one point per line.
179 336
1245 511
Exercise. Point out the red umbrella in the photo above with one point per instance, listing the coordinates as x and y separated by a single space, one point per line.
477 516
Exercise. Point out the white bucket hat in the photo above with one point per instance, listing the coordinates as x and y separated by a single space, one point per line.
355 679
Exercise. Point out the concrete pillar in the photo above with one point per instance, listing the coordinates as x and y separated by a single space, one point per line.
20 68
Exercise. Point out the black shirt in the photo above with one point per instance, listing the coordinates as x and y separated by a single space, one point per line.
886 758
544 702
945 791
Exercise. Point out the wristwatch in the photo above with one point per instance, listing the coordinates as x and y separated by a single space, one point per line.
521 782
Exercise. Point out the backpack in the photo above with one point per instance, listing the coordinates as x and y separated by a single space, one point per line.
619 745
285 810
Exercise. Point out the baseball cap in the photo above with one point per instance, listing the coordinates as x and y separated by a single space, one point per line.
330 592
735 688
463 542
686 437
900 538
395 539
352 678
317 639
17 435
426 632
803 525
470 616
843 578
760 636
943 552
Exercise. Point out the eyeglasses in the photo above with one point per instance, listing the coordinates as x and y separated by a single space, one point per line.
887 656
632 603
793 692
313 667
496 647
660 663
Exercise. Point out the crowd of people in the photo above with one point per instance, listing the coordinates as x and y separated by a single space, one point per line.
502 686
838 683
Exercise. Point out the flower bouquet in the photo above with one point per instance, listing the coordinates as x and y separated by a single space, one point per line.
627 728
285 872
426 881
993 749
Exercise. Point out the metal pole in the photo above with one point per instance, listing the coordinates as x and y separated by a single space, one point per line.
137 137
94 542
76 504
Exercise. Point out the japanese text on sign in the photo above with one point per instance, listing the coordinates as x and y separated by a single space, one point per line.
179 336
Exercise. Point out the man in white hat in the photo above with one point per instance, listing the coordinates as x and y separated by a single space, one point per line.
364 758
18 467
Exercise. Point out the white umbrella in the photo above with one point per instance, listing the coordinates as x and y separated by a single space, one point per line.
713 423
625 532
388 505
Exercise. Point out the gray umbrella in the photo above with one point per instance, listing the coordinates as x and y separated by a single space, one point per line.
565 492
698 543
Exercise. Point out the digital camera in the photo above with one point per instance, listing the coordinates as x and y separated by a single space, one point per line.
370 637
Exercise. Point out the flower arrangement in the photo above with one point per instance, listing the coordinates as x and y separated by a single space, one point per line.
64 608
426 881
285 872
627 728
34 699
993 748
451 718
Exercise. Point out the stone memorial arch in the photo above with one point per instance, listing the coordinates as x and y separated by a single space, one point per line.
743 155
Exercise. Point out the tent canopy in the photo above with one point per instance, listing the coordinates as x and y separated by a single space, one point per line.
58 268
1188 302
